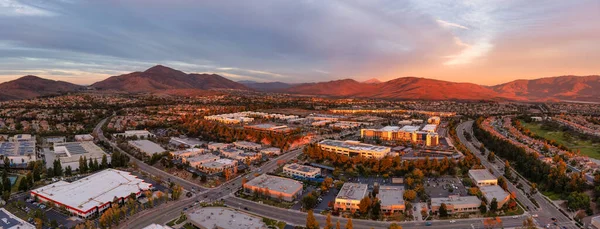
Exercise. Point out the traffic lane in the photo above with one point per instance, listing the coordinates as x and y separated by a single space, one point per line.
544 215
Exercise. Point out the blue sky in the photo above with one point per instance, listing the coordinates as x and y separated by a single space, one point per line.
485 42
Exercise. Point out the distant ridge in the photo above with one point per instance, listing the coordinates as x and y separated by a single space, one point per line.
160 78
29 86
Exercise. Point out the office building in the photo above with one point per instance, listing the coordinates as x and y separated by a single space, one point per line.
391 198
434 120
140 134
406 133
10 221
147 147
218 166
20 149
187 153
301 171
354 148
456 204
482 177
349 197
494 191
181 142
277 187
196 161
245 145
223 218
69 153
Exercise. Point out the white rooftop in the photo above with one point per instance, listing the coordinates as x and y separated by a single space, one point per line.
354 145
157 226
409 128
219 217
147 146
493 191
455 200
429 128
481 175
391 195
94 190
352 191
276 183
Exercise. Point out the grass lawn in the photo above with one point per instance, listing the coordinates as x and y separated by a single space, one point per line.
552 195
586 147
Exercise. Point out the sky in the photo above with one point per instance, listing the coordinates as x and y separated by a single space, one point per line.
485 42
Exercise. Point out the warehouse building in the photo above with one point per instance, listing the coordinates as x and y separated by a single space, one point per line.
20 149
349 197
148 147
140 134
218 166
69 153
93 194
223 218
482 177
354 148
10 221
277 187
198 160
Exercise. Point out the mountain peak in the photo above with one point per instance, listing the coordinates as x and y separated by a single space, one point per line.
161 69
31 77
372 81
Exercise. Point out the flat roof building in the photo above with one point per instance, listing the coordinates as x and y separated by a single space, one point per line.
224 218
434 120
10 221
354 148
278 187
431 128
247 145
494 191
83 137
391 198
596 222
147 147
20 149
302 171
93 193
185 142
456 204
157 226
198 160
407 133
69 153
187 153
214 146
137 133
482 177
218 166
271 151
349 196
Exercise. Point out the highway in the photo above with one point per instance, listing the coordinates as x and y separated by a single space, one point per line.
546 210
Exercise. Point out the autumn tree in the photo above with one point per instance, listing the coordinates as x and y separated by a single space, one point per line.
394 226
364 205
328 224
311 221
443 210
349 224
410 195
327 182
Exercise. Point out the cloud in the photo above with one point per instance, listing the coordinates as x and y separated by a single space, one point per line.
19 8
450 24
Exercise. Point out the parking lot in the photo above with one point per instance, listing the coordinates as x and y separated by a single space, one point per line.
444 186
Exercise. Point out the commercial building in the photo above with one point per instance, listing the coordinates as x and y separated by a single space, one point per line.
456 204
20 149
223 218
270 128
494 191
349 197
48 141
234 118
91 194
83 137
157 226
10 221
273 151
302 171
240 155
434 120
415 134
69 153
185 142
147 147
187 153
141 134
482 177
215 146
276 187
218 166
198 160
354 148
391 198
245 145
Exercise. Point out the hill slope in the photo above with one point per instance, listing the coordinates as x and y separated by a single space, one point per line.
266 86
159 78
400 88
28 87
577 88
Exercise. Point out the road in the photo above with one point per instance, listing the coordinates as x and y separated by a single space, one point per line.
299 218
545 212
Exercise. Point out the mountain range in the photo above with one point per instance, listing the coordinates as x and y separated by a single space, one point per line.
164 80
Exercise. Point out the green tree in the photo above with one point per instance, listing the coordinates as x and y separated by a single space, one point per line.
492 157
309 201
443 210
578 200
494 205
104 163
311 221
58 170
